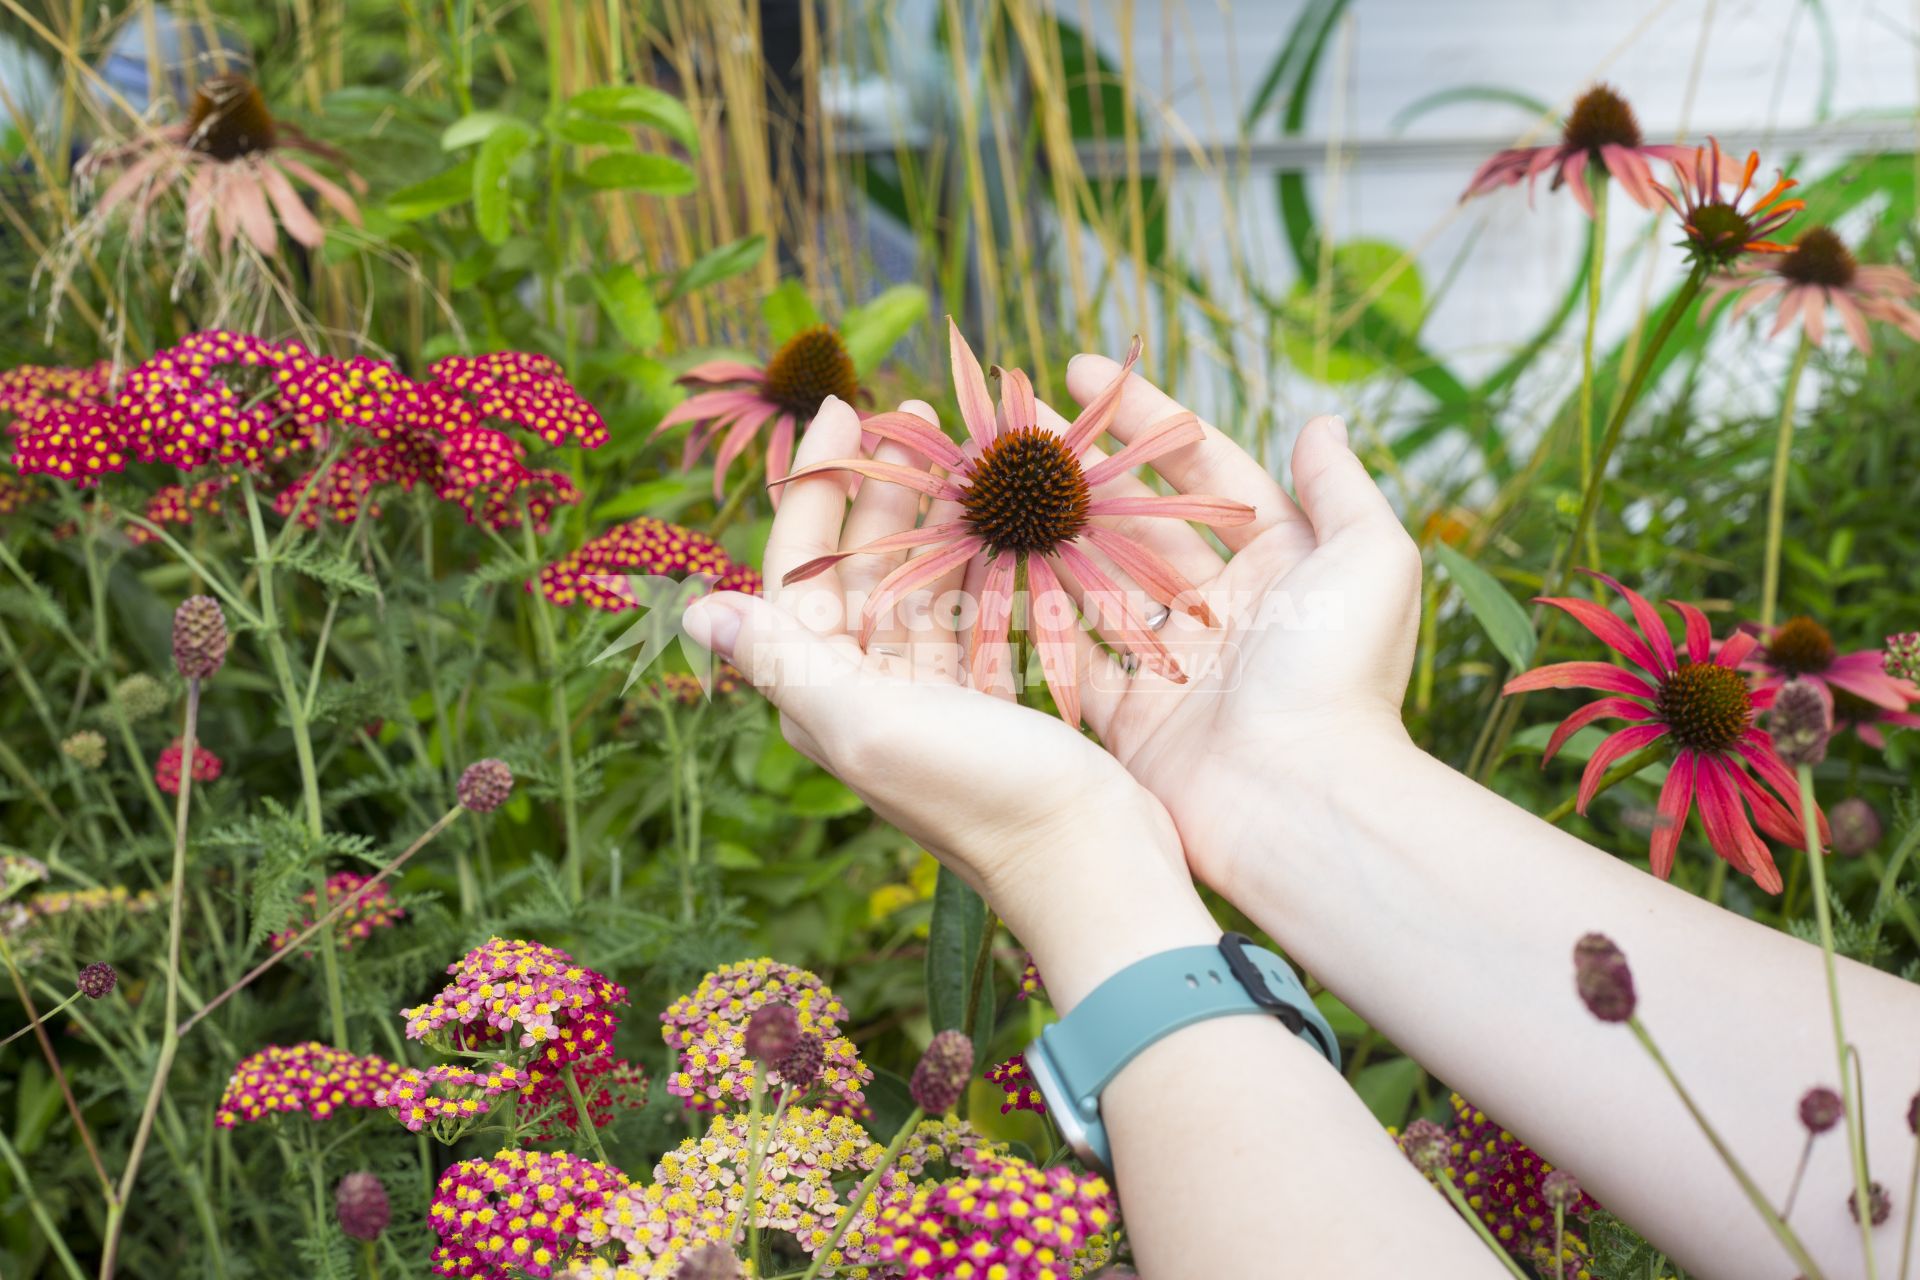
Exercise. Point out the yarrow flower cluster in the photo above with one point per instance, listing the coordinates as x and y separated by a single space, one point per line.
1004 1219
313 1078
166 769
521 1213
596 574
525 991
1017 1083
1503 1180
707 1029
375 909
1032 986
421 1097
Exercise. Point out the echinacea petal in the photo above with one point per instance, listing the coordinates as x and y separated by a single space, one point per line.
780 450
1114 616
1580 675
970 388
1869 680
987 646
738 437
1608 628
1652 626
1158 440
1162 581
248 201
1699 632
1622 742
1098 413
915 432
1722 815
1016 399
910 577
1221 513
1604 709
1756 748
901 541
1736 648
1772 816
892 472
705 405
1053 617
1670 815
723 371
330 191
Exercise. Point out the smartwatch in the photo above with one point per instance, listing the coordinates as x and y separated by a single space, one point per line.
1073 1060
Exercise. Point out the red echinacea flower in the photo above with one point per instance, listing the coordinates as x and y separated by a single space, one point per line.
1720 227
1600 131
1818 272
1864 695
1020 494
1703 706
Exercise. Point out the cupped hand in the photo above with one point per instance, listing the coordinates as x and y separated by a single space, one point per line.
1052 830
1318 605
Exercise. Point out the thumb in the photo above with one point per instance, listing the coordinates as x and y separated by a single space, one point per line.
1333 487
795 667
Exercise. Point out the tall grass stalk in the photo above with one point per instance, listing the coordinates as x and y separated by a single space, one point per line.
1777 490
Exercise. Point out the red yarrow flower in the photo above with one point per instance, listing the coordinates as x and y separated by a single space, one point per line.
1719 227
166 770
1816 273
1703 707
1865 697
1021 494
1600 132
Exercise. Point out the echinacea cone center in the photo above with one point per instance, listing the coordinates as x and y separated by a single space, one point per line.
1719 226
1707 707
1818 257
1601 118
813 365
1027 493
1801 646
229 119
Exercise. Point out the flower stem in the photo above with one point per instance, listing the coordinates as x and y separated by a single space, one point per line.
55 1239
53 1063
582 1119
33 1022
549 647
1596 268
1789 1241
1850 1097
867 1185
1777 494
1619 773
1465 1210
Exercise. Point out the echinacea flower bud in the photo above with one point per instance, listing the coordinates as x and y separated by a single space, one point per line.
199 637
485 785
87 748
943 1073
1856 827
801 1066
1821 1109
1802 721
1426 1145
96 980
1560 1190
772 1032
709 1262
1601 976
360 1203
1903 656
140 696
1879 1204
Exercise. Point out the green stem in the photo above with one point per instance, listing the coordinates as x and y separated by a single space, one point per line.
1789 1241
1465 1210
1596 269
583 1120
1777 493
55 1239
736 501
867 1185
549 648
1823 916
1619 773
39 1021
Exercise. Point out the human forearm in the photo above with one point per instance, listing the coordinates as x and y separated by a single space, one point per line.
1446 916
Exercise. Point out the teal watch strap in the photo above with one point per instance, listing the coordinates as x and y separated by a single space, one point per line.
1074 1059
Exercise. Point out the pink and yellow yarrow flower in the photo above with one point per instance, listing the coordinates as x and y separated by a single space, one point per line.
1705 708
1816 272
1721 227
1600 132
1021 494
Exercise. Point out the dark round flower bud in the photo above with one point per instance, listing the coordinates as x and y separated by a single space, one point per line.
199 637
772 1032
140 696
709 1262
1856 827
943 1073
1601 976
1802 721
1426 1144
485 785
360 1202
87 748
1560 1190
801 1066
1821 1109
1903 656
1879 1204
96 980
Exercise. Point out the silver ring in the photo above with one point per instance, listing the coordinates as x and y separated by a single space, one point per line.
1158 618
885 650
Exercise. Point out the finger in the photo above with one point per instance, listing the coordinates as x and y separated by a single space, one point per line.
1215 466
880 510
804 674
1335 490
807 525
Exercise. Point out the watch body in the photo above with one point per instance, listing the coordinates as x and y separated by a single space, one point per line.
1073 1060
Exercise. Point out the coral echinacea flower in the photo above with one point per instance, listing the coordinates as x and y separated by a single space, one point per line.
1601 132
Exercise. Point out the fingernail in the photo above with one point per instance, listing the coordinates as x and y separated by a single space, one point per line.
713 626
1338 426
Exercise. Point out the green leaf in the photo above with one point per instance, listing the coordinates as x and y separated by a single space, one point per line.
788 310
953 944
1387 1088
638 104
1499 614
888 1096
872 330
823 796
628 300
1357 267
441 191
1346 1024
642 499
727 261
478 126
490 173
584 131
634 171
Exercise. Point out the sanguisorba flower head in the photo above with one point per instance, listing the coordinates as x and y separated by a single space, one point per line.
787 391
236 166
1816 272
1704 708
1720 228
1601 131
1025 497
